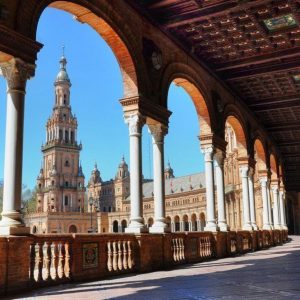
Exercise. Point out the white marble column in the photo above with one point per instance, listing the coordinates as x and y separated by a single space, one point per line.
246 206
135 123
282 210
274 189
16 73
158 132
210 195
264 194
269 205
252 199
219 167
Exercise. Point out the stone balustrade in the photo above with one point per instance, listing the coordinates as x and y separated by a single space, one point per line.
41 260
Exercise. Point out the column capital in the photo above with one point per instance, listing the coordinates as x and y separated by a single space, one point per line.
158 131
219 157
251 172
16 72
263 180
244 169
274 188
135 123
208 152
214 140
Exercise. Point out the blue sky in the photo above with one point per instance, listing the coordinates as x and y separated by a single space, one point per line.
95 93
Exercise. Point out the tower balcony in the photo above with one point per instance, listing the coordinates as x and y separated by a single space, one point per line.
61 144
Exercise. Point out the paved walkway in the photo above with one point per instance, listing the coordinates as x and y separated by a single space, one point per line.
269 274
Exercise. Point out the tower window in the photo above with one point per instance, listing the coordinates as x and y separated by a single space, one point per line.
67 164
66 200
65 99
67 183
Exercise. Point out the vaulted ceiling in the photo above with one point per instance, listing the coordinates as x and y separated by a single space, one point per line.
254 47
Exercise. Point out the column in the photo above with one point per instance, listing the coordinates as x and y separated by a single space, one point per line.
264 194
70 135
75 136
219 167
275 207
64 134
246 206
158 132
252 199
282 210
269 205
210 195
135 123
16 73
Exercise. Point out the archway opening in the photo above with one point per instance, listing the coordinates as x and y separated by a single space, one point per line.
72 229
115 226
124 225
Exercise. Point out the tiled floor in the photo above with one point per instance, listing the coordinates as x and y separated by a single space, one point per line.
269 274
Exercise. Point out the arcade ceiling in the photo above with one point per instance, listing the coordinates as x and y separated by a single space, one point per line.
254 47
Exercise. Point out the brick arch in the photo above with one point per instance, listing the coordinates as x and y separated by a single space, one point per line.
240 133
260 157
273 167
104 20
184 76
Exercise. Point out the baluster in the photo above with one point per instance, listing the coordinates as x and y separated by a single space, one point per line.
109 256
201 247
55 258
115 256
47 260
32 261
120 262
182 249
125 264
61 262
207 247
181 254
67 260
176 249
130 255
40 261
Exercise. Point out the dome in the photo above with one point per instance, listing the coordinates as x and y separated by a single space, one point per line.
62 74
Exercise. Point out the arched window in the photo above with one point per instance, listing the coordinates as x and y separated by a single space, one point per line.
65 99
115 226
72 229
66 200
34 229
67 183
67 164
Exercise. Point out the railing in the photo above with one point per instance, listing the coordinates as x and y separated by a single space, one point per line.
41 260
178 249
50 260
120 255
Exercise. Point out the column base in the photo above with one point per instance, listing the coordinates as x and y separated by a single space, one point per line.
136 226
284 227
211 227
18 230
247 227
267 227
277 227
223 226
159 228
254 226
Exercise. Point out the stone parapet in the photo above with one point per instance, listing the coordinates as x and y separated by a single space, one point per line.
43 260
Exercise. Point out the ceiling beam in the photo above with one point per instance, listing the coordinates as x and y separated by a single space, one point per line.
260 70
259 59
275 103
284 127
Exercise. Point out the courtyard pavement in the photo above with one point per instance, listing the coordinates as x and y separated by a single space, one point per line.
268 274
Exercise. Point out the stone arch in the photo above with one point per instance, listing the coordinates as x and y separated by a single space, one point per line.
108 23
150 222
240 133
72 229
115 226
34 229
124 225
202 221
187 78
260 155
194 222
176 223
273 167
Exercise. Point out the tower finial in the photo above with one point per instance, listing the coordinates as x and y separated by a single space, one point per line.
63 50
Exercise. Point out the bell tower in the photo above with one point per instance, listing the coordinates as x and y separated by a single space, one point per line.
60 182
